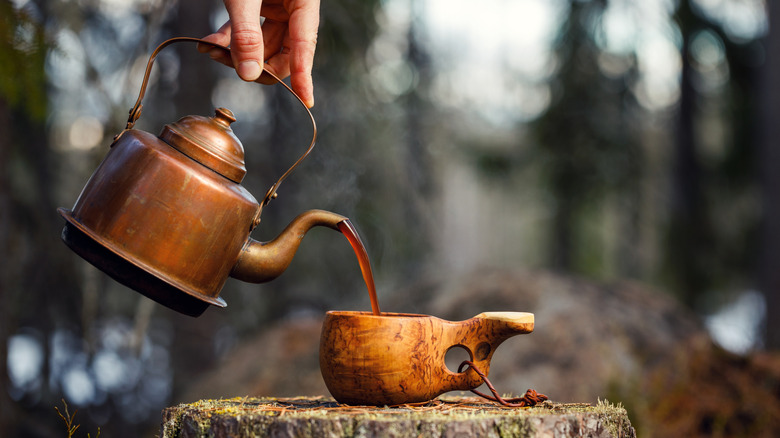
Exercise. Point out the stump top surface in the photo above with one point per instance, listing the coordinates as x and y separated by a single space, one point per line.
445 416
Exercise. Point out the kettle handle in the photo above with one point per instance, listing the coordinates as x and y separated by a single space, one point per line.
135 111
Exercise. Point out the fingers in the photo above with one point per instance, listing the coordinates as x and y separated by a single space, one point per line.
221 37
303 26
287 41
246 38
290 39
277 49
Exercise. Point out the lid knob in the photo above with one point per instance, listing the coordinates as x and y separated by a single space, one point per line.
224 116
209 141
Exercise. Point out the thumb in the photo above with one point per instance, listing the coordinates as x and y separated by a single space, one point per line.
246 38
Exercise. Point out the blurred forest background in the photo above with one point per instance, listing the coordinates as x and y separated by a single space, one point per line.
601 139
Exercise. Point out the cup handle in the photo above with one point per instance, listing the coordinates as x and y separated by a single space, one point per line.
481 335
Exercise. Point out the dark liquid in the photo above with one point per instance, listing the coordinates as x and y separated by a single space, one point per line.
349 230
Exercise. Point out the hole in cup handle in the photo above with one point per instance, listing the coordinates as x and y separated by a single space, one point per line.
467 378
455 356
479 355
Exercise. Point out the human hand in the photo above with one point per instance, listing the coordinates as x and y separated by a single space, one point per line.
283 45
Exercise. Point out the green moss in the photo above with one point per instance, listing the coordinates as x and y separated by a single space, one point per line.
255 417
615 416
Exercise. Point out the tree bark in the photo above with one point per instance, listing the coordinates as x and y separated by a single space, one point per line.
446 417
769 155
688 234
7 407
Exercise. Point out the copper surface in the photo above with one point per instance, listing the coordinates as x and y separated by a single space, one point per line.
135 111
158 209
210 142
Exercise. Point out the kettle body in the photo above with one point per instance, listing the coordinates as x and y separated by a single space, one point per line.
158 210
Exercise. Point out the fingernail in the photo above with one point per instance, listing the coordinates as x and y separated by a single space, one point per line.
249 70
216 53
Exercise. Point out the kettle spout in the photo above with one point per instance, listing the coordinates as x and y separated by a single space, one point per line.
260 262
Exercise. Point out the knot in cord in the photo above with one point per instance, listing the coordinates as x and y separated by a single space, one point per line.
531 397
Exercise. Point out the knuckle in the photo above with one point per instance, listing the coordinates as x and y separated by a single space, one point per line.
246 39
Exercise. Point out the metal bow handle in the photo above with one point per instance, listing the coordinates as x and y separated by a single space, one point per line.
135 111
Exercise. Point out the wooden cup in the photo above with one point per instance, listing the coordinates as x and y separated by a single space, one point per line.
397 358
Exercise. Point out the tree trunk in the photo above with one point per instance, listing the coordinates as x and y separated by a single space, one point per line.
447 417
770 181
688 234
7 408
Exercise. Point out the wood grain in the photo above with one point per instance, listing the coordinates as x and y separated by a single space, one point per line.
398 358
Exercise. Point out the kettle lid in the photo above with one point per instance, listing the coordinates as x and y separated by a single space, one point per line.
210 142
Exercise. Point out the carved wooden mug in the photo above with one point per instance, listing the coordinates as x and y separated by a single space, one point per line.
397 358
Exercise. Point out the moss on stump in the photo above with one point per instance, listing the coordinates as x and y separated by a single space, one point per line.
443 417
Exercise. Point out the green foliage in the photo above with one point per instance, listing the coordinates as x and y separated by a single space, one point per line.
23 50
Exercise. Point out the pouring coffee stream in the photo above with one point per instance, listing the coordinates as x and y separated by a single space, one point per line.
166 215
350 232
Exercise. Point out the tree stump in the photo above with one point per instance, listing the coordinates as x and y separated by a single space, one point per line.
444 417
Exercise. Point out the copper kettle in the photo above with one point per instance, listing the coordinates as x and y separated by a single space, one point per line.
166 215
